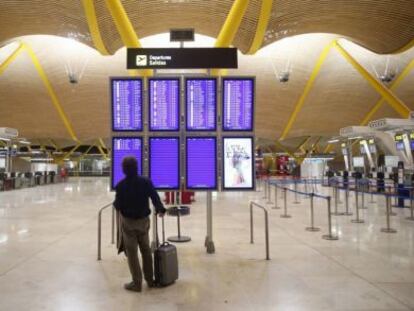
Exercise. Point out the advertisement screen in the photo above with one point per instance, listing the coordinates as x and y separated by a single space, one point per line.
126 104
201 163
201 103
164 162
358 162
238 102
238 168
124 147
164 104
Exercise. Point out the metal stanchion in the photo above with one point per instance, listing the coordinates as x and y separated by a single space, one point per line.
113 226
336 196
312 228
296 193
266 219
269 194
285 215
306 185
100 229
330 236
372 197
357 220
347 212
363 206
411 206
265 189
275 206
388 229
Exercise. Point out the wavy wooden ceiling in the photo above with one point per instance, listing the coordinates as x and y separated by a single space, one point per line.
340 96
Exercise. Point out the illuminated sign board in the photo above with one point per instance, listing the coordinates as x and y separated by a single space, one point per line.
164 162
164 104
238 104
201 163
121 148
201 104
399 141
126 104
238 168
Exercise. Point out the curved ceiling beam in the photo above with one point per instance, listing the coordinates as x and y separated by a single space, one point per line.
308 87
263 21
386 93
90 13
42 74
230 27
393 86
125 30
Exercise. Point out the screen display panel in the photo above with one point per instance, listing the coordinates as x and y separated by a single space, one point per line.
358 161
238 104
399 141
164 162
238 168
164 104
201 104
123 147
126 104
391 161
201 163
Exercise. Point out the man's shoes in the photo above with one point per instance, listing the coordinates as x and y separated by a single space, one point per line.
133 287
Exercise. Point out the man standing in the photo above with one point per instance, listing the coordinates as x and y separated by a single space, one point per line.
131 200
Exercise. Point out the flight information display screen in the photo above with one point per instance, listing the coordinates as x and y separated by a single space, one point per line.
201 103
238 168
164 162
201 163
123 147
238 102
126 104
164 104
399 141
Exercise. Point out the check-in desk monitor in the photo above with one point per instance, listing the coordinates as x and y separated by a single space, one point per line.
126 104
121 148
164 162
201 163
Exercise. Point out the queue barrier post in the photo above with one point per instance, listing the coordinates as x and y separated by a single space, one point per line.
336 197
388 229
265 189
100 228
357 220
329 236
296 192
285 214
275 206
266 219
411 217
312 227
269 193
347 212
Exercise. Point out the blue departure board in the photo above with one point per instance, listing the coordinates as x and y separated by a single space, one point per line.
126 104
164 162
201 163
238 102
201 103
123 147
164 104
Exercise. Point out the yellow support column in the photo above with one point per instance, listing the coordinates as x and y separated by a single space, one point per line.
90 13
230 27
388 95
308 87
261 27
11 58
125 30
393 86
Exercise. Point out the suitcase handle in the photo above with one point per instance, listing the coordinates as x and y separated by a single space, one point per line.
163 231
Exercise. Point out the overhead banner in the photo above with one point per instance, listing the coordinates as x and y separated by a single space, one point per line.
181 58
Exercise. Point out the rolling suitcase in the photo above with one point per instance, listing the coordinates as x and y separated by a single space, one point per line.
165 260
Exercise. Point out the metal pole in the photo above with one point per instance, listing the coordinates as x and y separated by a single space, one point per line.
363 198
266 219
347 212
99 234
330 236
388 229
296 192
275 206
267 234
269 194
209 240
312 228
411 206
251 223
113 226
265 189
285 215
357 220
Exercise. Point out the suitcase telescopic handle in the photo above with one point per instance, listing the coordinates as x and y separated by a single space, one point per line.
156 230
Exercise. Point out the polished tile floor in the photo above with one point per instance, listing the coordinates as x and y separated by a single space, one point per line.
48 256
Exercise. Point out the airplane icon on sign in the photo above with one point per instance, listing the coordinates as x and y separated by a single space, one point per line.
141 60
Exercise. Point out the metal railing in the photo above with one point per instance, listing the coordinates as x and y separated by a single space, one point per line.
100 227
266 219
